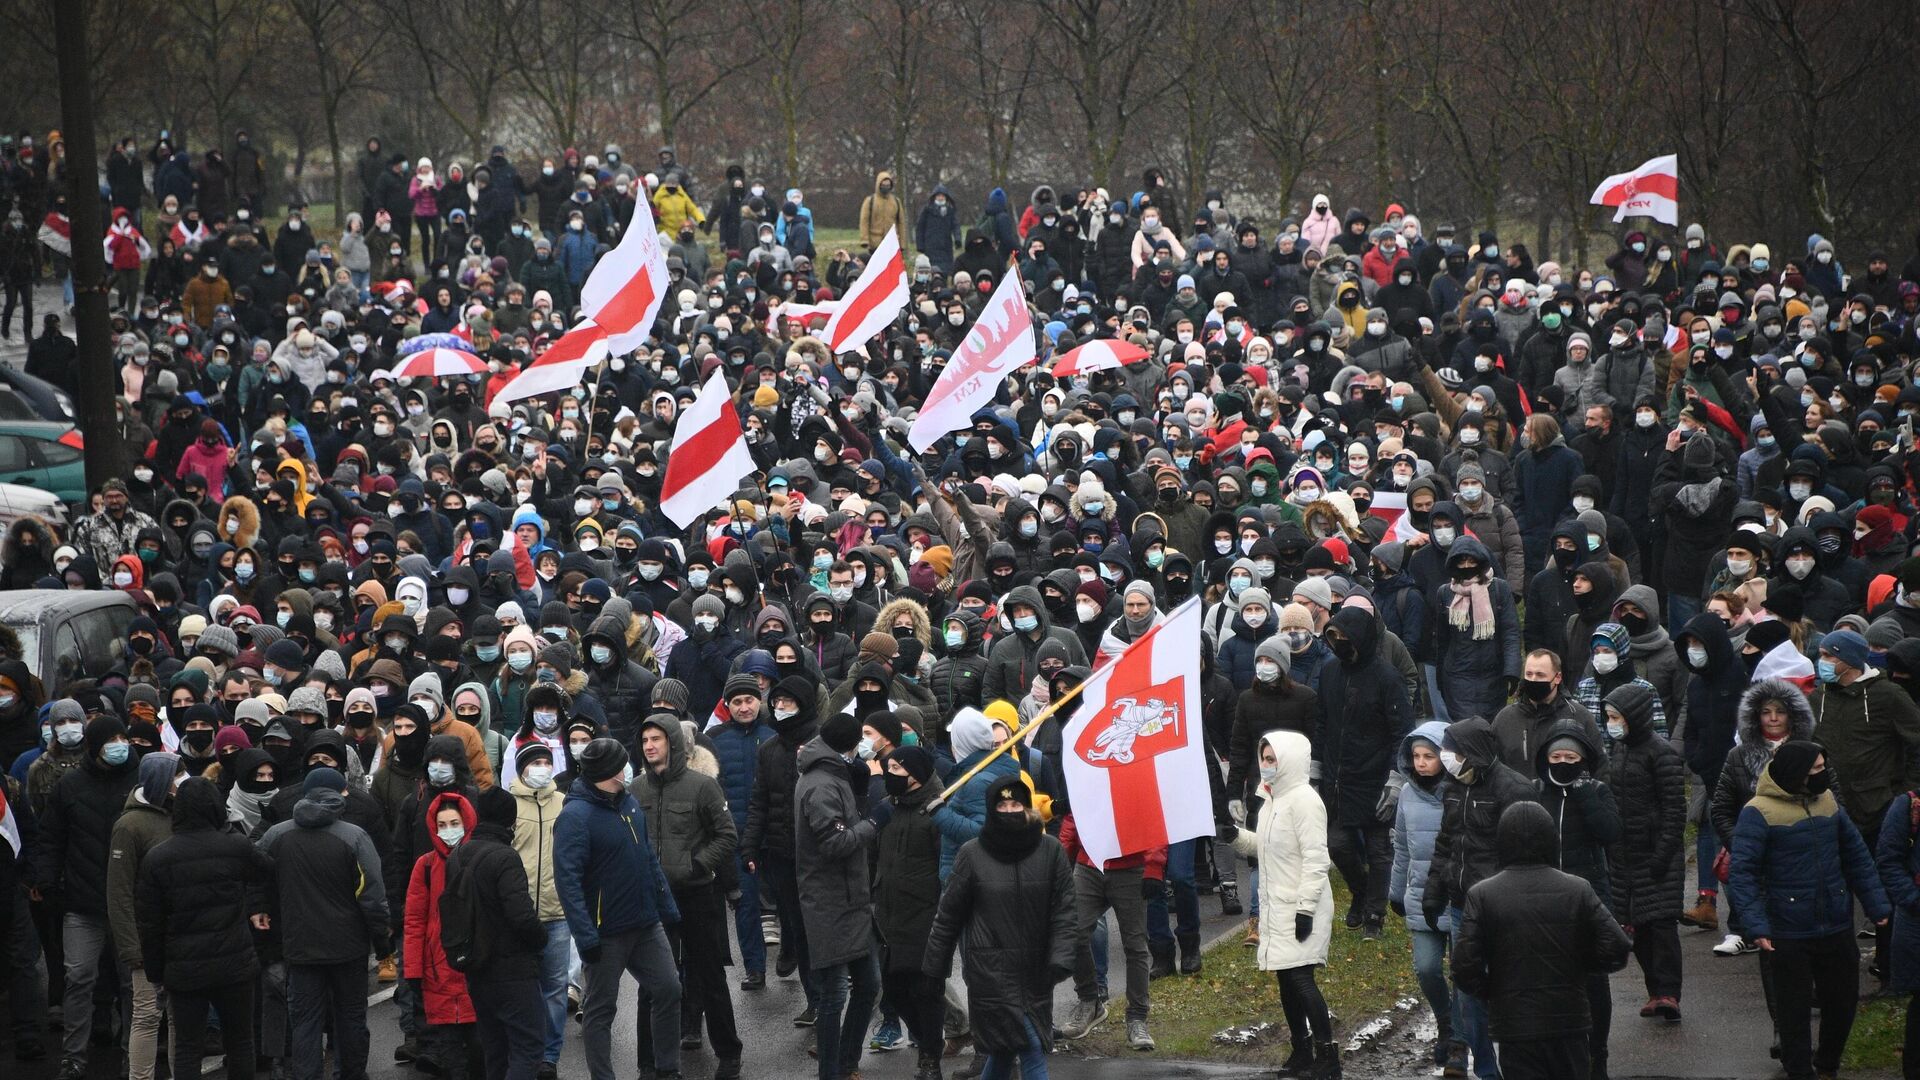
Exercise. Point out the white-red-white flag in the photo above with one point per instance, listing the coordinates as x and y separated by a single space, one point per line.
1101 354
9 824
623 292
708 458
874 301
562 366
1652 190
1135 762
1391 507
1001 341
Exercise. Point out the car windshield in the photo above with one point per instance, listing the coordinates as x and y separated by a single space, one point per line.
29 635
15 407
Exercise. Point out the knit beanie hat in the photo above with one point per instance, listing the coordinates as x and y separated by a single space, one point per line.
1294 617
496 806
914 759
157 771
1791 763
323 779
603 759
841 733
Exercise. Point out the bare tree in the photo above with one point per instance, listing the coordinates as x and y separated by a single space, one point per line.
1291 102
790 24
1444 90
688 50
557 69
341 53
462 49
1002 68
1103 47
898 35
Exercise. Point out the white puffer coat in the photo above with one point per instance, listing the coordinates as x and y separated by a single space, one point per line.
1291 845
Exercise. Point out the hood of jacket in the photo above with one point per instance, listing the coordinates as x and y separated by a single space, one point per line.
1293 757
1526 836
319 809
454 800
1799 711
1360 627
1473 739
1708 630
1567 729
1634 702
669 725
1433 731
1465 547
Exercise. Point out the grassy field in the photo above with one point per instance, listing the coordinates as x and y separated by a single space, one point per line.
1362 979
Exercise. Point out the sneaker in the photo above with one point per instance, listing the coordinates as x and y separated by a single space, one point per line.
389 971
1086 1015
1137 1036
1373 928
887 1038
546 1070
770 930
1646 1011
1666 1008
1355 915
1702 914
72 1069
1230 898
754 980
1735 945
805 1019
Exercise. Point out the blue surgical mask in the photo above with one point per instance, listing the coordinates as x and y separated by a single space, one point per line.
520 661
115 753
1827 672
955 638
486 654
440 773
308 575
1026 623
697 579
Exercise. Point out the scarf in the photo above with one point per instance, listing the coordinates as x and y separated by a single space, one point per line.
1472 606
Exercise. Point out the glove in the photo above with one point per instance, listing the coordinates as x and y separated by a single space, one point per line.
1399 906
1388 807
1432 909
907 659
1152 889
880 812
1513 685
1302 926
1237 811
590 954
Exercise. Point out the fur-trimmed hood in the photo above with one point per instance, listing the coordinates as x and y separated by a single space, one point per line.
241 508
922 626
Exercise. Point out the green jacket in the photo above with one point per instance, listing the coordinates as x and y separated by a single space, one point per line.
686 814
1871 732
140 828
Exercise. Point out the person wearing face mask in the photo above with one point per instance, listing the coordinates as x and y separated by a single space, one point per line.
1772 712
1364 715
1544 703
623 686
1252 623
537 801
1476 643
142 826
1416 827
1696 501
71 860
1466 852
1716 681
1623 370
1791 841
704 658
1012 662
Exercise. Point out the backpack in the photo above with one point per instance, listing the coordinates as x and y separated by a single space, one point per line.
459 921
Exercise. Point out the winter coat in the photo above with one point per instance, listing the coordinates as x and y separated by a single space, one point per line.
1291 844
958 677
1472 673
1871 731
769 829
625 689
1497 527
1585 813
1466 852
1364 715
737 747
880 213
1234 658
76 833
191 899
1648 779
906 881
692 832
830 848
537 813
1009 908
1898 859
1797 866
327 897
935 234
1740 775
609 879
1543 479
1524 727
1696 505
140 828
1713 696
1416 827
1264 707
1531 937
508 935
443 991
1014 659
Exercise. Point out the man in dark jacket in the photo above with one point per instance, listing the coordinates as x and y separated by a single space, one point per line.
623 687
503 967
907 852
1648 870
1696 503
617 899
831 838
1545 701
1014 660
737 746
1586 818
70 865
694 836
329 899
1713 708
1530 940
1365 715
766 846
1466 853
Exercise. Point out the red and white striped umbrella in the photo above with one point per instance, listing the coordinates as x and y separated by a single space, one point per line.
438 363
1101 354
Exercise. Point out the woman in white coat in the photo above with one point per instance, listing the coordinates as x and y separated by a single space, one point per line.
1296 897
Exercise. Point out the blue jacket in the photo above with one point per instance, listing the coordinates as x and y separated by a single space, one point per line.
1416 827
1235 658
605 869
575 254
960 819
1543 487
738 749
1797 865
1899 861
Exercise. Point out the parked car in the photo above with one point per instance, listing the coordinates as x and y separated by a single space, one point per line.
19 500
65 635
29 397
45 455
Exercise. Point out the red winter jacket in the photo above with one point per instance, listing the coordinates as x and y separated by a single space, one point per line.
443 991
1153 860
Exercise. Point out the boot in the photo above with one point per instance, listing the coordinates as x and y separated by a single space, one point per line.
1299 1064
1230 898
1326 1060
1162 960
928 1068
1189 954
1702 914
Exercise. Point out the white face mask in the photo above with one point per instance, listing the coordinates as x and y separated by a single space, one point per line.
1443 536
1697 656
1266 671
538 776
1582 503
1255 617
1800 567
1452 762
1605 662
1739 567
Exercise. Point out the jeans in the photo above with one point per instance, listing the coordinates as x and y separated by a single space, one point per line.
1706 848
1119 889
26 972
361 279
842 1039
1470 1020
1680 609
1823 972
322 997
554 960
746 920
1182 897
511 1029
1430 971
234 1004
84 940
646 955
1364 856
781 878
1657 946
143 1034
1032 1060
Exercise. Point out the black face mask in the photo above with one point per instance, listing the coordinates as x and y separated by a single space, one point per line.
411 749
199 740
361 720
1817 783
1635 624
1343 649
1565 772
1563 558
1536 691
897 785
1463 573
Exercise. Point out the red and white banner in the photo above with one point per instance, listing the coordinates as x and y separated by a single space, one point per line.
625 288
1652 190
1001 341
709 455
9 824
1135 763
809 315
1102 354
562 366
873 302
1391 507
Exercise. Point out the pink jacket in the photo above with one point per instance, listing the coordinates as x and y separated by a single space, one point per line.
211 464
426 202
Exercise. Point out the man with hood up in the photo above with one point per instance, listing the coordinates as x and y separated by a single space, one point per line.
1531 939
1365 715
936 233
1649 866
1014 659
691 831
1717 681
143 826
881 211
766 845
623 687
1465 854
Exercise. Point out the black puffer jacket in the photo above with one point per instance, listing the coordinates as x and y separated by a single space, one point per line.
1283 705
193 896
957 677
1465 854
1364 715
625 689
770 814
1740 776
76 831
906 881
1650 781
1584 813
1532 936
